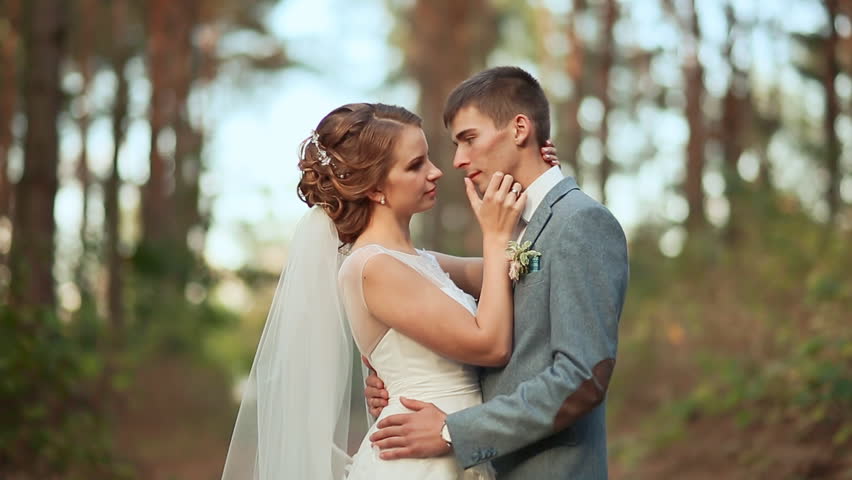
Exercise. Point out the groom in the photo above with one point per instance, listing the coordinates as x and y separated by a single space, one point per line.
544 412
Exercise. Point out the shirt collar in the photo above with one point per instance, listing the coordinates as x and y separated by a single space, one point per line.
539 189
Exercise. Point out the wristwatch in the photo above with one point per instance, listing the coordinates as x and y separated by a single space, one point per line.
445 435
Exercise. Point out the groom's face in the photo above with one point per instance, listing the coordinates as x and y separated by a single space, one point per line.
482 148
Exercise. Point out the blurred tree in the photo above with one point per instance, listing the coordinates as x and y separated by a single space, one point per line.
830 51
736 118
10 40
122 51
446 42
607 56
182 55
164 39
819 62
568 66
567 112
83 45
32 254
693 80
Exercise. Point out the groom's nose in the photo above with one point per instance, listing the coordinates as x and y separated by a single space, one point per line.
460 160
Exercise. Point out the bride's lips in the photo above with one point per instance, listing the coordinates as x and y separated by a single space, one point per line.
432 192
472 175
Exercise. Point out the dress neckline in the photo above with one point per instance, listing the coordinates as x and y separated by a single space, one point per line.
416 254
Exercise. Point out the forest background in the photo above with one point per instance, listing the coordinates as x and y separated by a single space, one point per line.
148 155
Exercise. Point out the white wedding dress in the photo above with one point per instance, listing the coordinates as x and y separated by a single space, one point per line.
408 369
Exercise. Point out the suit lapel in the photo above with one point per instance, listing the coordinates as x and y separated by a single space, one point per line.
544 211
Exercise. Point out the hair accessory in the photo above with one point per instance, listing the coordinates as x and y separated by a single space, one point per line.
324 157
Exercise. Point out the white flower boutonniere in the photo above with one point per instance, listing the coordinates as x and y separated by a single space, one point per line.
520 259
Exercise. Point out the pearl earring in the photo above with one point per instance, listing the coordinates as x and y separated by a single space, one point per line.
382 201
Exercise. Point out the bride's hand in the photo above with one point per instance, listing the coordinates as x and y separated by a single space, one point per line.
374 391
548 154
500 207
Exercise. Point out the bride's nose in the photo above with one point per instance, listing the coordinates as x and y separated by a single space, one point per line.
435 173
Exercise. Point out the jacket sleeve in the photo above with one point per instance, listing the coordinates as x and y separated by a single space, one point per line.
588 282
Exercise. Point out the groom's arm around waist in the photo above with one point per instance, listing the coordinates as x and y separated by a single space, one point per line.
588 281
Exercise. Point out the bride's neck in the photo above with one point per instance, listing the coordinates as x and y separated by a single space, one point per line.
388 230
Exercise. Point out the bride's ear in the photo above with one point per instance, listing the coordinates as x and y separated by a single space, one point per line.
377 196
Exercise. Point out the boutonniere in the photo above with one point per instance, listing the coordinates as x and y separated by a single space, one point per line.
522 260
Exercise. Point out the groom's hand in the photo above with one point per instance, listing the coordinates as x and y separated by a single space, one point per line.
412 435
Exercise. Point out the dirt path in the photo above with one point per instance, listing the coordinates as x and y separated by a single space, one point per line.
176 422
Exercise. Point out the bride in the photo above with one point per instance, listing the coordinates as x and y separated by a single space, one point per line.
365 172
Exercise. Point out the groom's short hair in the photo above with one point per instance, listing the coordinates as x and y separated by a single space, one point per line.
500 93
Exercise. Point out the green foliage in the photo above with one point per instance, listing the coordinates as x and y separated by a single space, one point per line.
47 385
165 320
754 328
61 379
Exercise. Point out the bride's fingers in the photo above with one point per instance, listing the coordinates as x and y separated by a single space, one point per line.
522 200
493 185
366 362
503 190
514 195
472 196
372 391
549 153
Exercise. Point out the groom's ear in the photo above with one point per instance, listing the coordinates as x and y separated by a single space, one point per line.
522 129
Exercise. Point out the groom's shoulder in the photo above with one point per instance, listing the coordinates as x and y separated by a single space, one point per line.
577 209
577 203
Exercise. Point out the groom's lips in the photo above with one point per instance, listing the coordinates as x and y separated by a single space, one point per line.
472 175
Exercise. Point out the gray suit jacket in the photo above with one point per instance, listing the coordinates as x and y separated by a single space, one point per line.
544 415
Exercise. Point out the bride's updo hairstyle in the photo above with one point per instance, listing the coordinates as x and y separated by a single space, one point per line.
347 157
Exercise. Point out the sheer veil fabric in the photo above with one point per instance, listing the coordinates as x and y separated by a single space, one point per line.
293 421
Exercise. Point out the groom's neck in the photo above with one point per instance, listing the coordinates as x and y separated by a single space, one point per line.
530 167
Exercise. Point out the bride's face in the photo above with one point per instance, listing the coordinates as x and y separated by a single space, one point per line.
411 183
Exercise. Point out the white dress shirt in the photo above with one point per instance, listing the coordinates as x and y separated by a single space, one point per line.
536 192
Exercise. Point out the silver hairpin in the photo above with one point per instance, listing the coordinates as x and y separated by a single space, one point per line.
324 157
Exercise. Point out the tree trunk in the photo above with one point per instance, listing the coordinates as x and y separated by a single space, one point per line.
87 16
188 141
832 110
157 211
10 40
575 64
694 79
607 56
33 231
449 41
120 57
734 111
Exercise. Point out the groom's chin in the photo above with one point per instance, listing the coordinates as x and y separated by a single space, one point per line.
480 187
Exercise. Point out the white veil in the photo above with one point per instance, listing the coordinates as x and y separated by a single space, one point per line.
293 422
